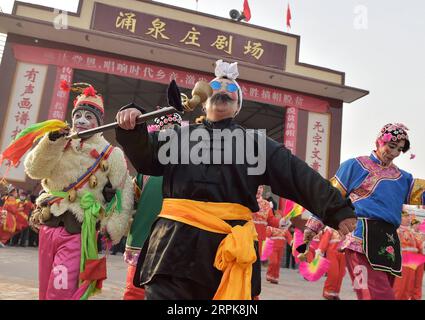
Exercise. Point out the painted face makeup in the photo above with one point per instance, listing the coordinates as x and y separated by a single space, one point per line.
83 120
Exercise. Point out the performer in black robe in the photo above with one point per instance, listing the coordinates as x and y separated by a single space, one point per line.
188 259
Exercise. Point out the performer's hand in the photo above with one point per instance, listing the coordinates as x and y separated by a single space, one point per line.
34 220
55 135
302 257
308 235
319 253
127 118
346 226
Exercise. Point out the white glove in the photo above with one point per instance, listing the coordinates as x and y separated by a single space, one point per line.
284 223
319 253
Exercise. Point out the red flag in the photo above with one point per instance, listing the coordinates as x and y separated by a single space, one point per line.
288 17
246 11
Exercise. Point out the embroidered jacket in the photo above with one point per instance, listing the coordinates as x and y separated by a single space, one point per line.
282 234
376 191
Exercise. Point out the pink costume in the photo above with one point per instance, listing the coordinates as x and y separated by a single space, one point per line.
58 274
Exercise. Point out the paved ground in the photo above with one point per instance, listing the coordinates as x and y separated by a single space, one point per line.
19 268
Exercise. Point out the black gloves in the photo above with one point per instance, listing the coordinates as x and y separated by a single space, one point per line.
55 135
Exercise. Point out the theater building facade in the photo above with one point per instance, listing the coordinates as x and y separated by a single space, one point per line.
130 50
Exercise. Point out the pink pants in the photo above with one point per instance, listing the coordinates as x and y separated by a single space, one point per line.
59 263
368 284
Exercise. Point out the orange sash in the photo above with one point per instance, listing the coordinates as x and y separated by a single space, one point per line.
235 254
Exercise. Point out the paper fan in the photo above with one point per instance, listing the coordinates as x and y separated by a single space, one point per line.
292 210
422 227
298 245
267 249
314 270
413 260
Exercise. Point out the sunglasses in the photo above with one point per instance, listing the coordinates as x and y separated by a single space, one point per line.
230 87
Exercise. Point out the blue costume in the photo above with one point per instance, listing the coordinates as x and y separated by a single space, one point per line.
377 191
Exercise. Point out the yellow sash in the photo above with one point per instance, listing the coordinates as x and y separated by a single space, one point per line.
235 254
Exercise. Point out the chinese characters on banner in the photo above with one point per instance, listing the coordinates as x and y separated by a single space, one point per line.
318 130
161 74
189 36
290 136
291 121
60 97
24 105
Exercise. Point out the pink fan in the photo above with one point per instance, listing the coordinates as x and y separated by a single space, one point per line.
267 249
413 260
289 206
298 245
422 227
292 210
314 270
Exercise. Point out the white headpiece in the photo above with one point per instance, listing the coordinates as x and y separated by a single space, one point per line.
228 71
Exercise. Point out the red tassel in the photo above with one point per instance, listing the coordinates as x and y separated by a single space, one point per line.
15 151
89 92
95 269
65 85
94 153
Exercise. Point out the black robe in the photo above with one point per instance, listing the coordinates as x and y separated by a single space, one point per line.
184 251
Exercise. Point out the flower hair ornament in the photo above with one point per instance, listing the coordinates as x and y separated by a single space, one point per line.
395 132
225 70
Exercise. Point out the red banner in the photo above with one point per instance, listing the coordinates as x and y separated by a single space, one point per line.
60 97
290 137
291 121
154 73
